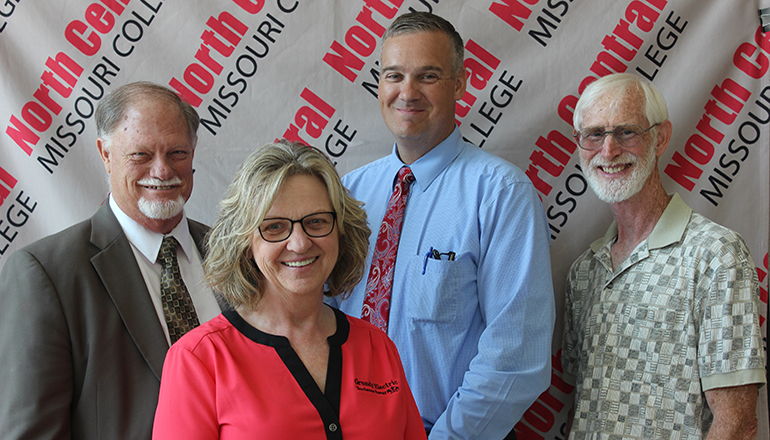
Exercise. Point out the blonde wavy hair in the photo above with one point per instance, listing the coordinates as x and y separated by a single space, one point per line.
229 264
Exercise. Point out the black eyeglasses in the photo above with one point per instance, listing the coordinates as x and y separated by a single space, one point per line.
627 136
315 225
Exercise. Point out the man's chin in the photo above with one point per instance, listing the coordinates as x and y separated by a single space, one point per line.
613 190
161 209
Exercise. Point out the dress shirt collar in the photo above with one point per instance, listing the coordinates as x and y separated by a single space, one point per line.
669 229
429 166
148 242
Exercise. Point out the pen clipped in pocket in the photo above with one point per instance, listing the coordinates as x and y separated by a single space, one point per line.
435 287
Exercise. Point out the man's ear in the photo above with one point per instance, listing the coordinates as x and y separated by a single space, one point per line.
104 153
460 83
664 136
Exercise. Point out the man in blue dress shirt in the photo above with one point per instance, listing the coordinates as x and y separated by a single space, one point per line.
474 325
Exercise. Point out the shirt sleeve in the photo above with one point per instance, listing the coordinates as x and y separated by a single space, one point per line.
515 291
730 345
187 402
36 375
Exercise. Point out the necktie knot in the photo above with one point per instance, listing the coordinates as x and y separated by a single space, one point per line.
405 176
167 253
397 202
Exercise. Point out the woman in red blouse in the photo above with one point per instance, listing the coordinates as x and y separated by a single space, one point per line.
281 364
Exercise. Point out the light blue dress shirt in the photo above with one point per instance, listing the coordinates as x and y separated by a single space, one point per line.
475 333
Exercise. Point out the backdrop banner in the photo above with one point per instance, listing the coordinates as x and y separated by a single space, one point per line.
258 70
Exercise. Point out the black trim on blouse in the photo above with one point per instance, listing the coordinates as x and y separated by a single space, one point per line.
327 404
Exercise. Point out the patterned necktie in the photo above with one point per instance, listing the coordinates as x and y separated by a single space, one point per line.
177 304
380 282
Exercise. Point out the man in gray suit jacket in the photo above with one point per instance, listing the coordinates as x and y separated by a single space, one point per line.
82 329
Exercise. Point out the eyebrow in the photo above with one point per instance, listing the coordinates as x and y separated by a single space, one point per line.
592 127
421 69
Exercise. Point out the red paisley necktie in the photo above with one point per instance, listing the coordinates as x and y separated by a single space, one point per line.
380 282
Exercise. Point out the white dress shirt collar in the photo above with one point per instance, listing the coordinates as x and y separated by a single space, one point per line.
148 242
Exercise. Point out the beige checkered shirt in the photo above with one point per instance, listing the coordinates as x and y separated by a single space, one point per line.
679 316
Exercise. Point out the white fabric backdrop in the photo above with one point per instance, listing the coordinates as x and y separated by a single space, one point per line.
263 69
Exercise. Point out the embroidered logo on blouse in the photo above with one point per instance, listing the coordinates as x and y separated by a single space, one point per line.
385 388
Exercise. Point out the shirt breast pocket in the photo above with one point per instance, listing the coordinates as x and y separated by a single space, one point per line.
434 295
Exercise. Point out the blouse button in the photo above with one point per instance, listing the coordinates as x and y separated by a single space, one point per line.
333 427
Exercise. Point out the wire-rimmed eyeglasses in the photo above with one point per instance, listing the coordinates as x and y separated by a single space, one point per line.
319 224
627 136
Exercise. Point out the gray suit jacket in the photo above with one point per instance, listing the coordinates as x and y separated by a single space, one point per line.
81 346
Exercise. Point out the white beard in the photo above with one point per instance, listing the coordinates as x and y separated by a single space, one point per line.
161 209
618 190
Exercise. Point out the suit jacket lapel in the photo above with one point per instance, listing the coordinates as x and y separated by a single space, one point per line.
198 233
123 280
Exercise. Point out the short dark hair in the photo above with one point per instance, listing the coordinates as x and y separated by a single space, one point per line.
413 22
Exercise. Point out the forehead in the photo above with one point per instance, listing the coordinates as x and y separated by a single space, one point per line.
155 118
299 195
616 108
153 111
417 50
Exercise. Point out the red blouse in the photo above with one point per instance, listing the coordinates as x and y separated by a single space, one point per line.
228 380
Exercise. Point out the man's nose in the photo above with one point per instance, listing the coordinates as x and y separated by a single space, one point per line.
161 168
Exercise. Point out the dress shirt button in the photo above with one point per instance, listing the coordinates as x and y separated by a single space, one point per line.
609 286
333 427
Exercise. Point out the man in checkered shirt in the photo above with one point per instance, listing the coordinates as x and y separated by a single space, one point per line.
661 335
